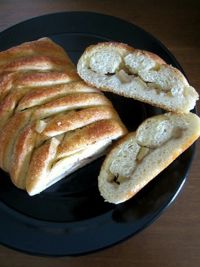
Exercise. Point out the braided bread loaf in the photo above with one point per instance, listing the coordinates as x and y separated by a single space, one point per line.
52 123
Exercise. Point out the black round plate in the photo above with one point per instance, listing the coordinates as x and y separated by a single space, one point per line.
71 218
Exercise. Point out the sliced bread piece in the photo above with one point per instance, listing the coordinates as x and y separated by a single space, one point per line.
140 156
141 75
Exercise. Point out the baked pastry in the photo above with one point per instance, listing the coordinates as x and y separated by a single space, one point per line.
141 75
140 156
52 123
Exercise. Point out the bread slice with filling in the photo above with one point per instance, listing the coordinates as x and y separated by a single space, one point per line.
138 74
140 156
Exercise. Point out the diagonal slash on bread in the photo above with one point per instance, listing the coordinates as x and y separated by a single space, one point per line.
140 156
141 75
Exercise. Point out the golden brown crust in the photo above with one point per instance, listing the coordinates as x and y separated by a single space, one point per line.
76 119
6 82
40 164
8 135
21 156
34 79
37 63
39 89
43 95
15 60
29 66
8 105
88 135
43 47
70 102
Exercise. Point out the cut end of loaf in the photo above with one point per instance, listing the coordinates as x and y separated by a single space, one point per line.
142 155
137 74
